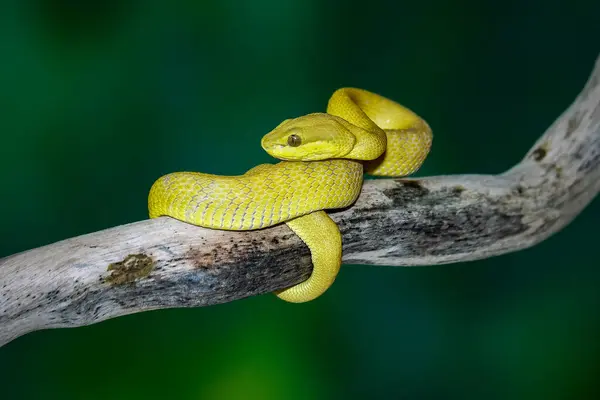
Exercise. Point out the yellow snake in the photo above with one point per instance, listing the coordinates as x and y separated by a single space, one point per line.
323 159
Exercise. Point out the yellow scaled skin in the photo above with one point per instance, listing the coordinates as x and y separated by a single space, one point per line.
323 157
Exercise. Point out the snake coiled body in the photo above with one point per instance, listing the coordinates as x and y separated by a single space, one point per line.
325 156
264 196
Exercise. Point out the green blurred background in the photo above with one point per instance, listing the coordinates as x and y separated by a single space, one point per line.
99 98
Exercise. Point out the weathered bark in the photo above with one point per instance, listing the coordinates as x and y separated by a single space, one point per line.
164 263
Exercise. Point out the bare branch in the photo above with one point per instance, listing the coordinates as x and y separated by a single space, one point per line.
164 263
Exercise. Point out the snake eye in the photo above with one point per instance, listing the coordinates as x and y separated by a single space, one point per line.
294 140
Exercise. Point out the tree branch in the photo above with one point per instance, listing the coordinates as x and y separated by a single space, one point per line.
165 263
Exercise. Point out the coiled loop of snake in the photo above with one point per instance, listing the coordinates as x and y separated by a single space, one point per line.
323 158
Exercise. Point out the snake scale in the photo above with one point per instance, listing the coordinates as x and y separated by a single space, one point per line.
324 157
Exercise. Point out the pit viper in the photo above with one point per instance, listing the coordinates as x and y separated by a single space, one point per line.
323 159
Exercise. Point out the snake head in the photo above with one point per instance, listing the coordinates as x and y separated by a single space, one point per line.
312 137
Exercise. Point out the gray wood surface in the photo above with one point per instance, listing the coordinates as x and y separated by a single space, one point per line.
165 263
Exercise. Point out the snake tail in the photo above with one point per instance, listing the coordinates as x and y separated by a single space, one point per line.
324 240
